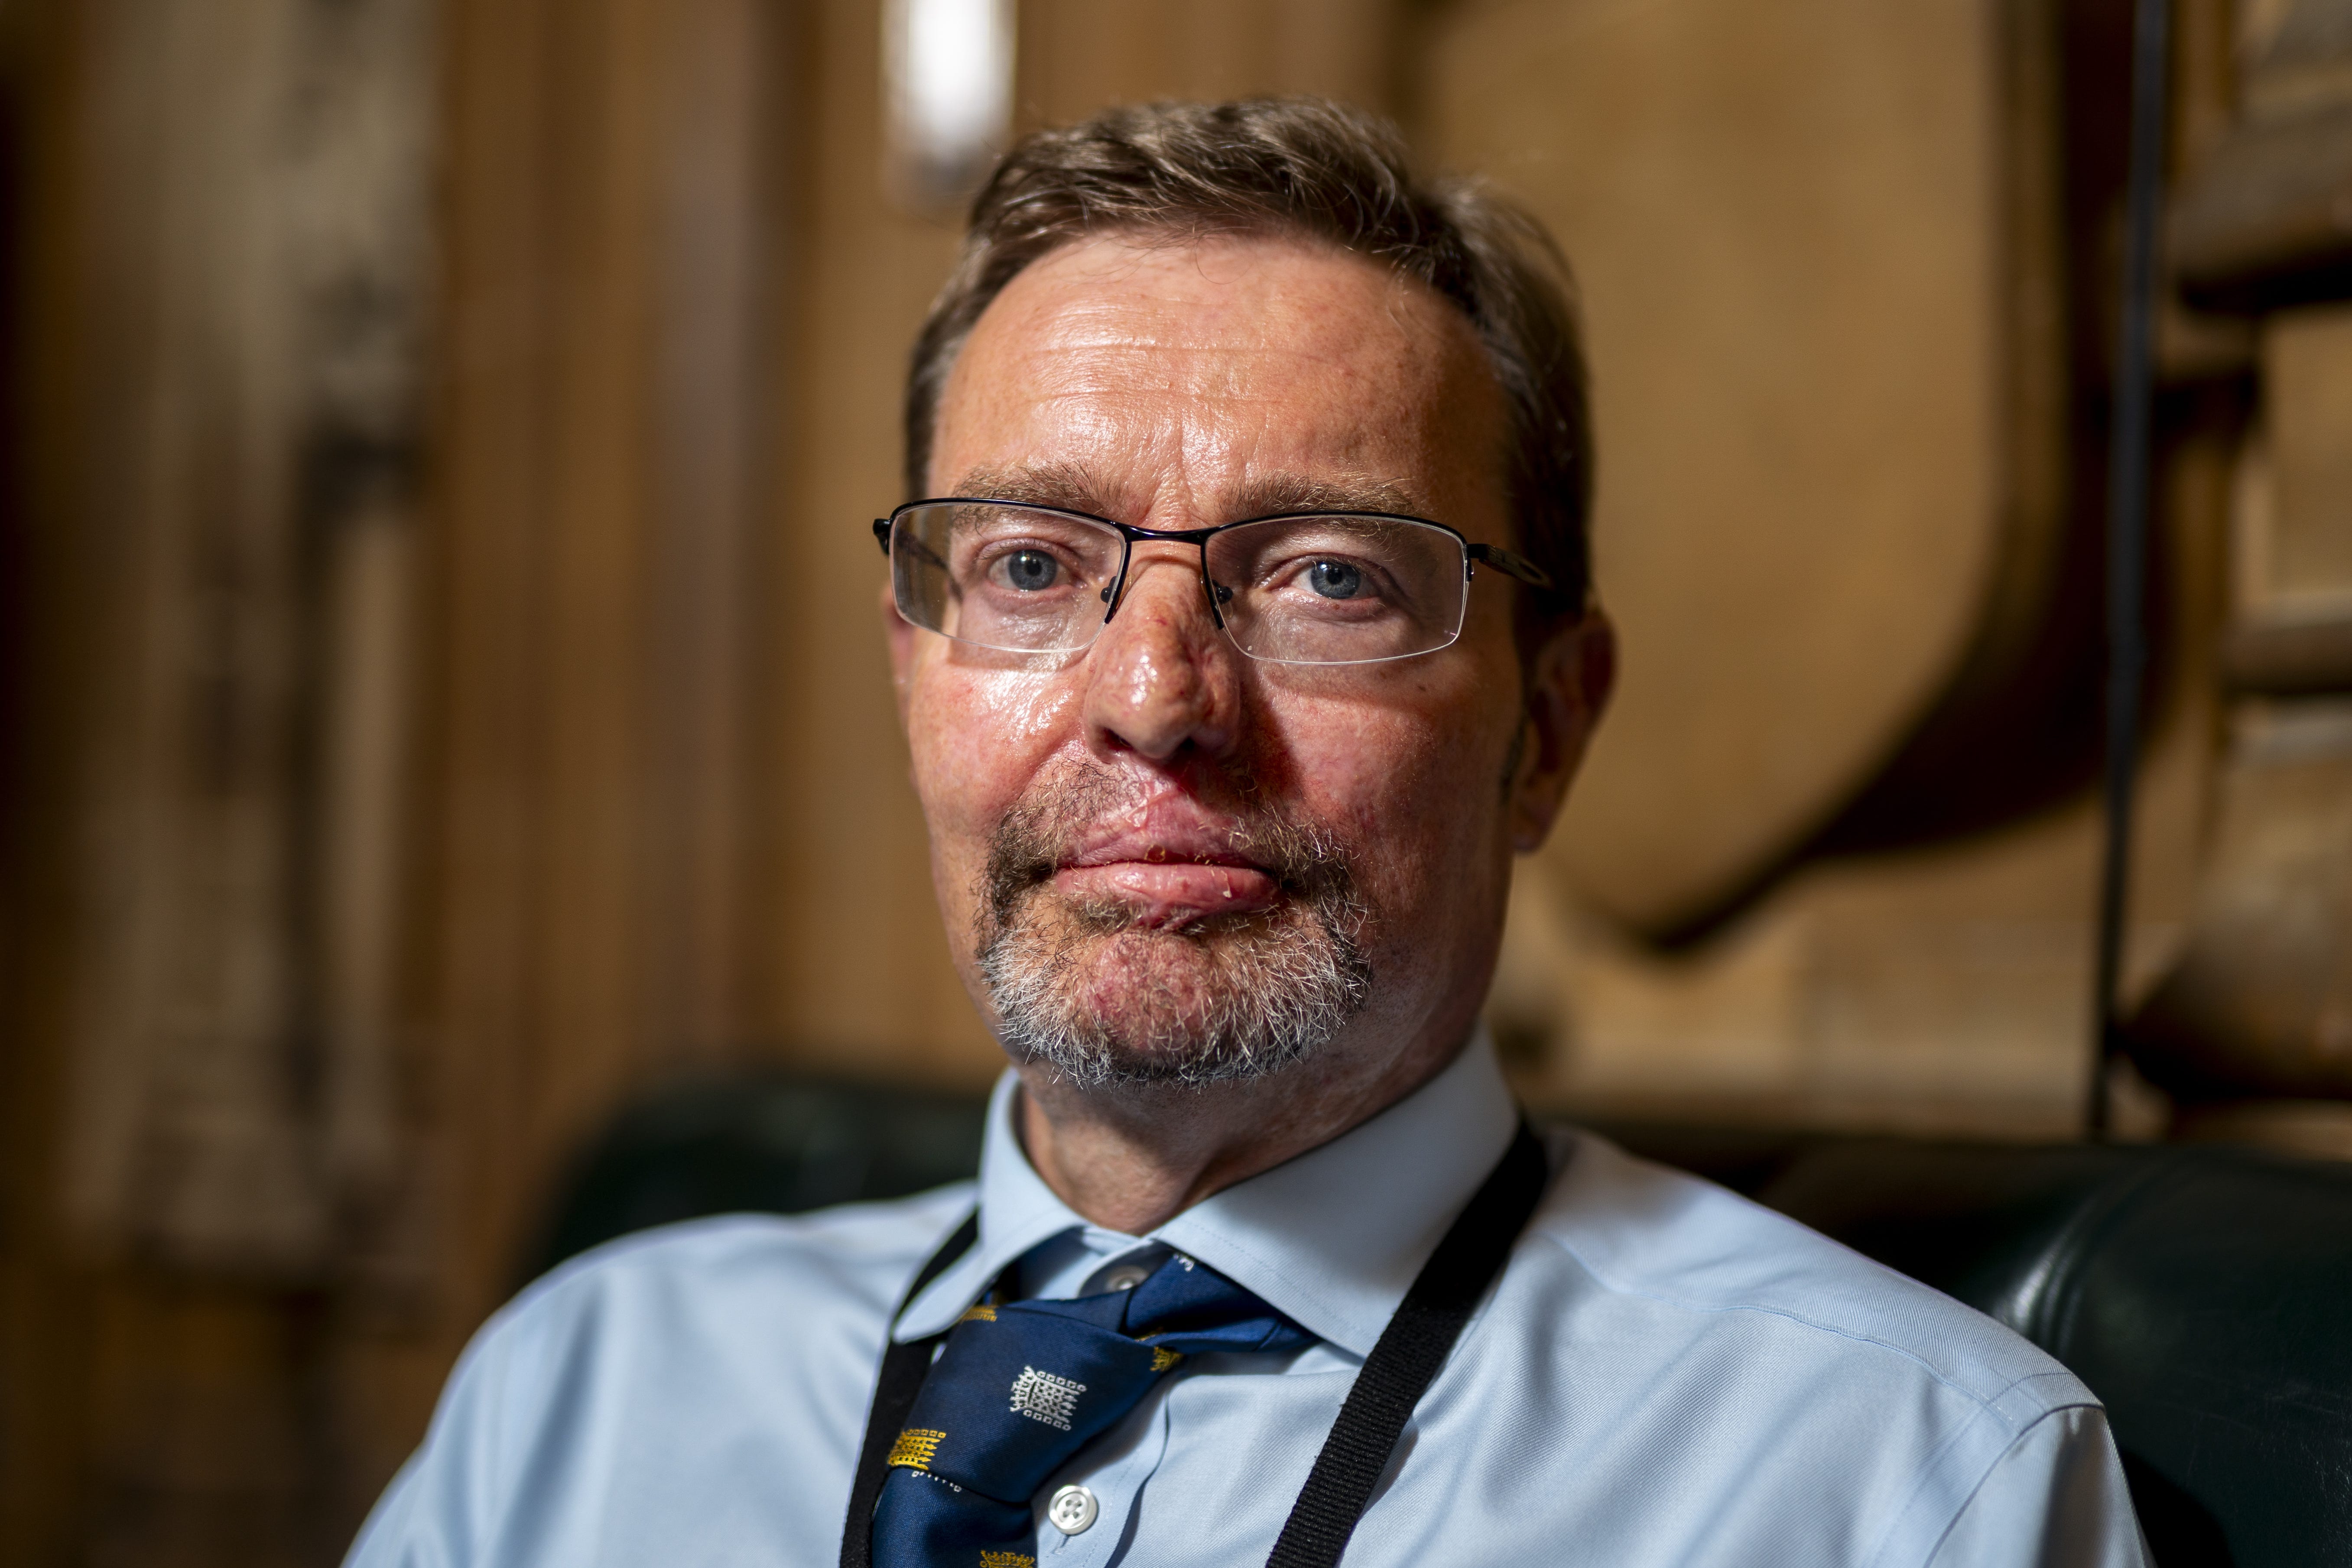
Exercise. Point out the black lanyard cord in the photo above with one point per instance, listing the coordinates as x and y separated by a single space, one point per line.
903 1368
1404 1361
1406 1358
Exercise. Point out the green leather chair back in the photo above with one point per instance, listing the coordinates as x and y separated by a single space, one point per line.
768 1144
2205 1296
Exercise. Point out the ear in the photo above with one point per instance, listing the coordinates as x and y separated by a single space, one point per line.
899 635
1568 682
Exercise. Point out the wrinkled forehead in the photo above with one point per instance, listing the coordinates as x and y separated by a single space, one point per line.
1248 374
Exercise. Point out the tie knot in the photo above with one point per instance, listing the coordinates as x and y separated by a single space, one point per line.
1185 1297
1179 1306
1021 1386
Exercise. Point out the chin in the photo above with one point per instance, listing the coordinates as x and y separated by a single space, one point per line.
1212 1003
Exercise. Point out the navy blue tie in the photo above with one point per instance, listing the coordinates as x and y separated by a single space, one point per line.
1018 1389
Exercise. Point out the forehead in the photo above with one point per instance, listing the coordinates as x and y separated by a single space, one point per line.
1190 372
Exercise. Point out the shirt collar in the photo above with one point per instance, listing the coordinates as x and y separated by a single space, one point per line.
1332 1239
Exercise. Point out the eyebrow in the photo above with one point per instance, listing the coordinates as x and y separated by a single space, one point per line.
1064 486
1069 488
1297 492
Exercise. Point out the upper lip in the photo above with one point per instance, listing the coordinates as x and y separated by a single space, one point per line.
1163 837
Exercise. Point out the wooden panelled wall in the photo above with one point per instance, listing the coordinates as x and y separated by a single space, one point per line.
634 806
1849 478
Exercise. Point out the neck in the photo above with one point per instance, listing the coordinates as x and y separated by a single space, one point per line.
1130 1157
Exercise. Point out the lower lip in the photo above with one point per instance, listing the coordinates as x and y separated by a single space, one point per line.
1170 893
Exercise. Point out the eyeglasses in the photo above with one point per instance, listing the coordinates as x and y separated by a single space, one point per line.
1298 588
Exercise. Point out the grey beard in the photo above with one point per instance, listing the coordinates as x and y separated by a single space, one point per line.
1262 993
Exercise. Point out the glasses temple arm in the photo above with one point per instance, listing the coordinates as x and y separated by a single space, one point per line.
1518 566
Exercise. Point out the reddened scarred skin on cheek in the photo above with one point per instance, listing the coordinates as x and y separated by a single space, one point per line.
1179 386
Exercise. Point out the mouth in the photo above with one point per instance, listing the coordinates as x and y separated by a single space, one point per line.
1168 875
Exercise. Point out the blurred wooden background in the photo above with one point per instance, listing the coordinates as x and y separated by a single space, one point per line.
443 696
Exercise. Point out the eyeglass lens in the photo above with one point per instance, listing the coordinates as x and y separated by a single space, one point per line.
1318 590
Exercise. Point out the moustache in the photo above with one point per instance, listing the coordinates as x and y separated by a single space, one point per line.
1081 802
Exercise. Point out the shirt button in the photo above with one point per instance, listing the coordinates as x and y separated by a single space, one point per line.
1073 1510
1126 1277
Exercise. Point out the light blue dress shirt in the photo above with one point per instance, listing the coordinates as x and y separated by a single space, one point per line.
1667 1374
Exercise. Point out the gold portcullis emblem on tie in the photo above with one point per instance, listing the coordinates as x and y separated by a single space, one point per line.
1163 1360
980 1314
914 1449
1007 1559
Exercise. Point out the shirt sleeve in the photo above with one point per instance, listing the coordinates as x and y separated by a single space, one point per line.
435 1512
391 1537
2055 1498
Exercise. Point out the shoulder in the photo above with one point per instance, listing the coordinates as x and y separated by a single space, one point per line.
1669 1372
688 1375
1687 1249
1654 1325
856 1255
717 1296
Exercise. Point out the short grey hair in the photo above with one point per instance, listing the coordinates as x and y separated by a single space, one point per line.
1316 168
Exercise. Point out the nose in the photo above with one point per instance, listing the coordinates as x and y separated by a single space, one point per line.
1161 676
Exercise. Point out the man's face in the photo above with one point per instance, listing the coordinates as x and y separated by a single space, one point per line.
1159 858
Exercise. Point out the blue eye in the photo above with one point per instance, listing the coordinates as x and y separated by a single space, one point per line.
1335 579
1031 570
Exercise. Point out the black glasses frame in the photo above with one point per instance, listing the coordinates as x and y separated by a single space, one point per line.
1115 594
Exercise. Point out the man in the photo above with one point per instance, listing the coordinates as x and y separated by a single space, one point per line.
1249 640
